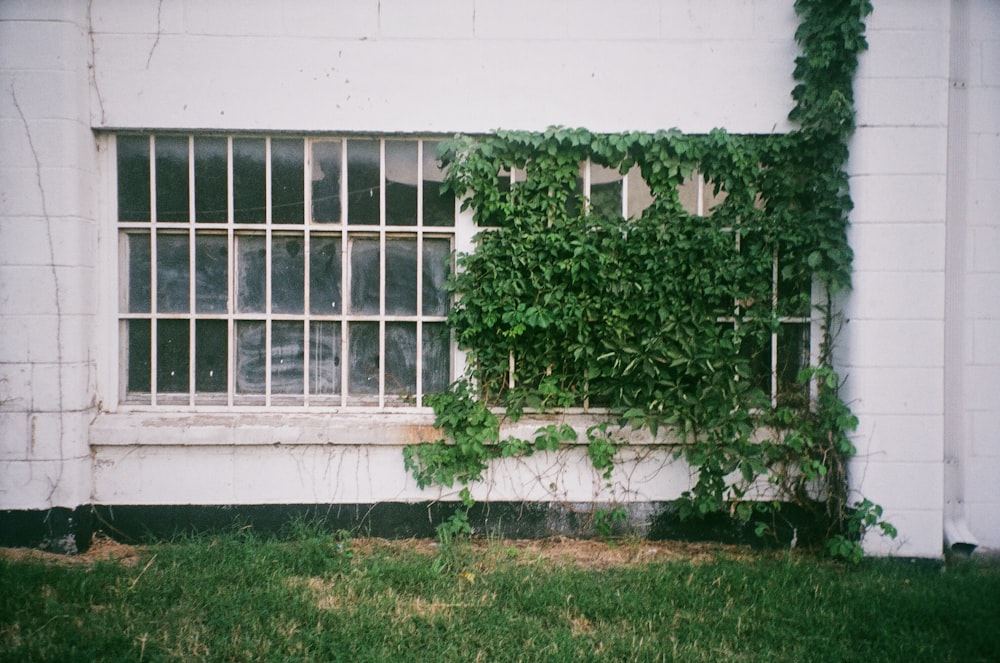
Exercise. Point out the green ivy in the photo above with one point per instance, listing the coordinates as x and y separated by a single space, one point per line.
638 316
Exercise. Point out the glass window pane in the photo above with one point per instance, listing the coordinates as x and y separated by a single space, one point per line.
756 350
173 273
401 276
287 181
210 187
401 183
139 356
250 273
211 273
249 180
250 357
363 189
139 291
287 357
439 208
133 178
172 179
437 267
172 356
324 274
211 355
324 358
326 181
362 378
401 358
606 199
793 356
436 348
364 275
287 274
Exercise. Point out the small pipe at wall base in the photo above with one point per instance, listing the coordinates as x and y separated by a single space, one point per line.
958 540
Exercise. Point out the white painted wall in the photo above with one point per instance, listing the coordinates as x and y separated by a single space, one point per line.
464 65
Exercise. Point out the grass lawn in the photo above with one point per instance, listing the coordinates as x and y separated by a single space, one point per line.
240 597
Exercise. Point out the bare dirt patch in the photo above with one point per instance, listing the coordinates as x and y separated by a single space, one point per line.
102 549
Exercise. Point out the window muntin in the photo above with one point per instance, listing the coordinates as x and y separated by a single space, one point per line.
282 271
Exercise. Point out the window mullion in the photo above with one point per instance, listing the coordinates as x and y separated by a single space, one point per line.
345 261
267 271
307 207
193 277
774 334
230 278
381 275
420 274
153 326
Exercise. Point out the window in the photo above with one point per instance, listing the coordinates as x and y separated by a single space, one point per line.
282 271
777 360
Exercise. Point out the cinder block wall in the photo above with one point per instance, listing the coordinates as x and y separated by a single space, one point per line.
48 248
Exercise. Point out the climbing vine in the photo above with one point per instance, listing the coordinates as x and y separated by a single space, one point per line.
666 320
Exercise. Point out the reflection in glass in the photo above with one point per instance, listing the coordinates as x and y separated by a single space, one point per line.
362 378
172 179
250 357
324 358
249 180
364 275
287 274
172 356
210 186
211 273
251 264
401 358
401 183
173 273
287 185
363 188
326 181
437 266
139 287
439 207
324 274
436 349
133 178
139 358
401 276
210 356
287 357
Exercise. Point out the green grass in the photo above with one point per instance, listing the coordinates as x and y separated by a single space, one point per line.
239 597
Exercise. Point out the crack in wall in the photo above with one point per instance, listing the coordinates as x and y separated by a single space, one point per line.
159 31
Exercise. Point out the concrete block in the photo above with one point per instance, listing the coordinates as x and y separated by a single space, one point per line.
14 348
984 433
903 198
15 387
892 343
906 54
137 16
984 522
117 475
440 19
896 296
895 438
43 95
898 150
34 241
344 20
981 289
233 17
198 475
707 19
29 339
984 20
989 55
42 10
897 247
58 435
14 435
982 384
44 484
903 486
984 203
598 20
920 535
908 15
63 387
986 163
30 46
49 142
774 20
895 391
521 19
984 110
986 342
906 102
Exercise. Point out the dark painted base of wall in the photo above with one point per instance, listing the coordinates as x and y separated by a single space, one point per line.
69 531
